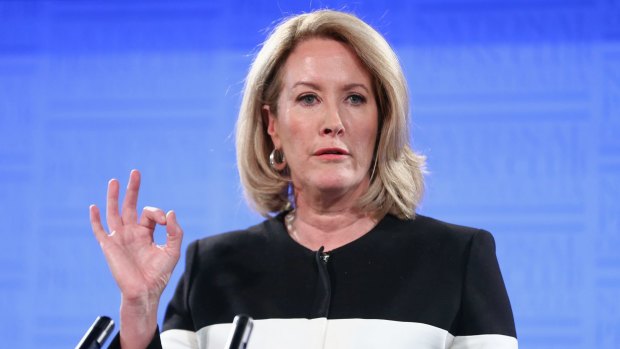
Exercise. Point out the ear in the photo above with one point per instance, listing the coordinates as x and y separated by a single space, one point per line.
272 126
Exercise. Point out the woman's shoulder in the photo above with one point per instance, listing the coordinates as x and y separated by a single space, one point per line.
422 223
426 222
254 237
428 230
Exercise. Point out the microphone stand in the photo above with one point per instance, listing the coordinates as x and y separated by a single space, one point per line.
240 334
97 333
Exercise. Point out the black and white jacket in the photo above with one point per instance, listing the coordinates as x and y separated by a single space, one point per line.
418 283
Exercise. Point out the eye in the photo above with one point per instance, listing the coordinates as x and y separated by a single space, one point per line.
308 99
356 99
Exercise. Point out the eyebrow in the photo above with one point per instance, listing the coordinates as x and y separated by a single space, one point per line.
306 83
318 88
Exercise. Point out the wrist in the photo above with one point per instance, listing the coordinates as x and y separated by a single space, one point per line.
138 321
139 305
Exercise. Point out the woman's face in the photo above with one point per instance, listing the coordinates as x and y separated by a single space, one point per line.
326 122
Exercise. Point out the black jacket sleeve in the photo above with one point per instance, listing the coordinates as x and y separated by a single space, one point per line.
178 315
485 307
155 342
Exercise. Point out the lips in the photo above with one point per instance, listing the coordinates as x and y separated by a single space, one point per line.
331 151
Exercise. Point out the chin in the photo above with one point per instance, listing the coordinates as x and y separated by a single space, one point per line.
333 182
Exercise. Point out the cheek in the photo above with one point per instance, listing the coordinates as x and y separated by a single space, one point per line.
368 134
294 135
296 126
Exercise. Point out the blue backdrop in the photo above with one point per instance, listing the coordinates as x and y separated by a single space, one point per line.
515 103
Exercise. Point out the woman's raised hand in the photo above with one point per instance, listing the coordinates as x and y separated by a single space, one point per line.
141 267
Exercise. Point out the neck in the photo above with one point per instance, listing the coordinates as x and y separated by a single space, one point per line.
328 223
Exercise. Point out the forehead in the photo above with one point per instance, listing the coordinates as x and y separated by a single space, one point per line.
324 60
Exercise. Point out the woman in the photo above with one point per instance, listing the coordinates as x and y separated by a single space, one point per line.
322 141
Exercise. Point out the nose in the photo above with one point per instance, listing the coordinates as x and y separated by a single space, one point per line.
333 124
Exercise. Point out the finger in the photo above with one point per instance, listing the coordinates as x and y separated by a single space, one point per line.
111 212
95 223
129 213
174 233
151 216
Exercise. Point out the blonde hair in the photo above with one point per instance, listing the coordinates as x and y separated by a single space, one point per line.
397 181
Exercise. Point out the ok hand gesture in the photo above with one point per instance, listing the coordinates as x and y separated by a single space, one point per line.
141 267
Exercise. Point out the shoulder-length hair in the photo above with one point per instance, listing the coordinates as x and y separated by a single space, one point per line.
397 181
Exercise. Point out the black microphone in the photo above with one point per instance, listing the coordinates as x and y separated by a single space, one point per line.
97 333
240 334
